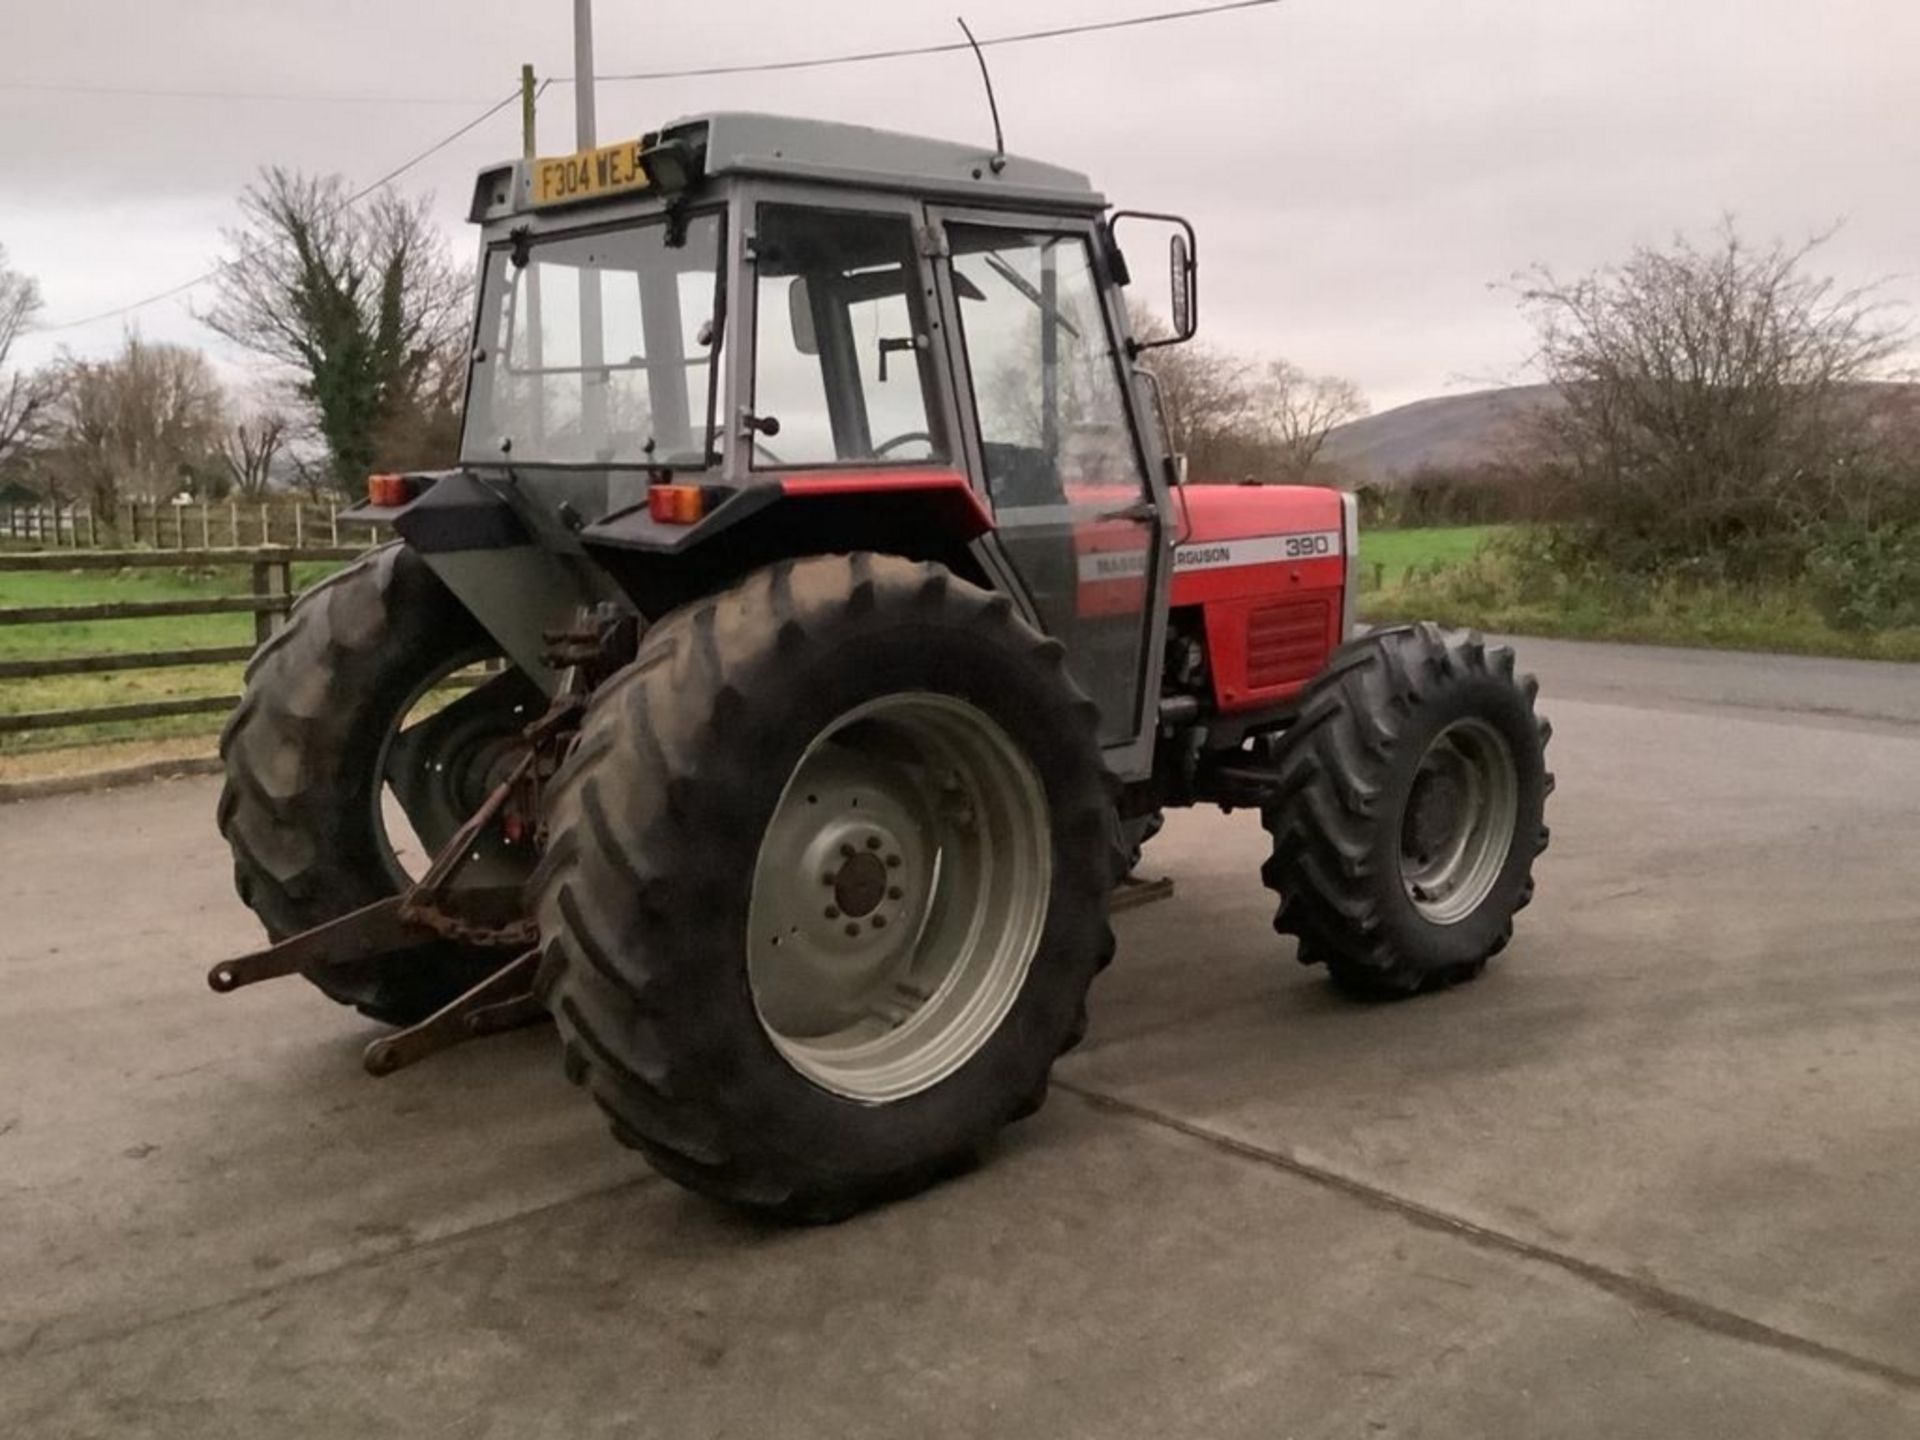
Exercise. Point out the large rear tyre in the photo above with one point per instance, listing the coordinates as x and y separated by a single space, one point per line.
826 883
1413 788
319 735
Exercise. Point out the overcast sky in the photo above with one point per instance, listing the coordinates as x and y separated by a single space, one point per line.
1361 171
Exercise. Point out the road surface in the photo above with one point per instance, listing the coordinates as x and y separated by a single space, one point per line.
1654 1175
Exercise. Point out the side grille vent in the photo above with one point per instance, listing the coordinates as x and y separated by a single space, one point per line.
1286 643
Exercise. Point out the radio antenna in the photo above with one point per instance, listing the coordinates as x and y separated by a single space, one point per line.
999 161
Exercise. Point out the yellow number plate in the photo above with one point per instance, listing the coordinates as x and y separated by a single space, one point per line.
589 174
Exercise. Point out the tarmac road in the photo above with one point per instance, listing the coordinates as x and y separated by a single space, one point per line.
1654 1175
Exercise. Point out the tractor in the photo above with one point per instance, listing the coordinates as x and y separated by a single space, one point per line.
817 620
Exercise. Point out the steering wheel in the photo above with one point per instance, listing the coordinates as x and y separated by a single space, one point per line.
907 439
761 450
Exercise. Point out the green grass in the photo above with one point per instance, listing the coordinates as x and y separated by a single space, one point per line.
1389 554
85 587
1482 589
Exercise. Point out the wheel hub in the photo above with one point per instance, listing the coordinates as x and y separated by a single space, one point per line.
1458 826
898 896
860 885
1434 812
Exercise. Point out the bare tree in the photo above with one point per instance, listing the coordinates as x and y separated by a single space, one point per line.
1237 419
24 397
249 449
1207 394
146 423
359 302
1710 396
1295 412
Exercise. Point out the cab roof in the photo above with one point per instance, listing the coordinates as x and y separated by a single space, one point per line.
747 143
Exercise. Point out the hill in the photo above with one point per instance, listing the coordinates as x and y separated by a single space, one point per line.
1447 431
1452 431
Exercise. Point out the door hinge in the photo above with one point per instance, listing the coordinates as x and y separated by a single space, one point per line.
933 242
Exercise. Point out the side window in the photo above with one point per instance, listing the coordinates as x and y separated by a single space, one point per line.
843 356
1046 382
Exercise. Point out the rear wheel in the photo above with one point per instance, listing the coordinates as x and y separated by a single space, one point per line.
347 770
1414 785
826 883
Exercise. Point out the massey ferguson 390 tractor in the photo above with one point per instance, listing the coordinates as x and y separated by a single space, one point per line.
826 621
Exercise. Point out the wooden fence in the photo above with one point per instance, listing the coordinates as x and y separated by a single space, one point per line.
269 597
203 525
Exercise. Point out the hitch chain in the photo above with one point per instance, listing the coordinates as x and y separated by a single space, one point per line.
602 639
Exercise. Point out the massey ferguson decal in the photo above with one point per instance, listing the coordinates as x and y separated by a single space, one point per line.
1097 565
1259 550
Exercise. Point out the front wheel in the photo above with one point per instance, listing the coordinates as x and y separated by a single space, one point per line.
826 884
1413 790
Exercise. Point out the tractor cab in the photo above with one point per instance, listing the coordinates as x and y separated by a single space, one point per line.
789 329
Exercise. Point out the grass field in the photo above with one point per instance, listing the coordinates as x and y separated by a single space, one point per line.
85 587
1395 552
1450 575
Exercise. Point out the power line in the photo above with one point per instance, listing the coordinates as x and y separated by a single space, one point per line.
354 199
695 72
155 92
945 48
691 72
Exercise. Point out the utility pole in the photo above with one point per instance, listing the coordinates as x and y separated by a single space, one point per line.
593 377
529 146
583 74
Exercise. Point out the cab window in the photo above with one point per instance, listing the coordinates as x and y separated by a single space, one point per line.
843 362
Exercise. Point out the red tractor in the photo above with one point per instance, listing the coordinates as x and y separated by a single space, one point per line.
842 624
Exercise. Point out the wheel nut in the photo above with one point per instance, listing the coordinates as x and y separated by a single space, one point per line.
893 862
833 912
873 842
894 892
829 880
852 930
879 922
846 852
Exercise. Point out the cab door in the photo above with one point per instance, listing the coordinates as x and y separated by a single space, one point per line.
1054 446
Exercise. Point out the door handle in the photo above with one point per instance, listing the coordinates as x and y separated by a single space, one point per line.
1142 510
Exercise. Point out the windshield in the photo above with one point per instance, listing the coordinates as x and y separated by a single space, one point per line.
599 349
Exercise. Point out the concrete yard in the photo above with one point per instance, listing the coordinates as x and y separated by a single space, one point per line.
1655 1175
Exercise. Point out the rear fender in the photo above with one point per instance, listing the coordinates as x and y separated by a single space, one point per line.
918 515
519 573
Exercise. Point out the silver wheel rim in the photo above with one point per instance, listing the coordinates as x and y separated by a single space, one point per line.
1458 827
898 896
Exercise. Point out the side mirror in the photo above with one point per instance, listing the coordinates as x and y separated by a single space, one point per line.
1183 275
1180 272
800 317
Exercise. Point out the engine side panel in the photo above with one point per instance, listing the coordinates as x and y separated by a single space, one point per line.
1267 569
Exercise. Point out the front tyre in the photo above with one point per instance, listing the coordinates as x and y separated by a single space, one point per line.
1413 788
826 884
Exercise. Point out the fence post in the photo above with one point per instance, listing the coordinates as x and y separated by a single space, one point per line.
333 522
266 524
299 524
206 528
233 523
262 618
